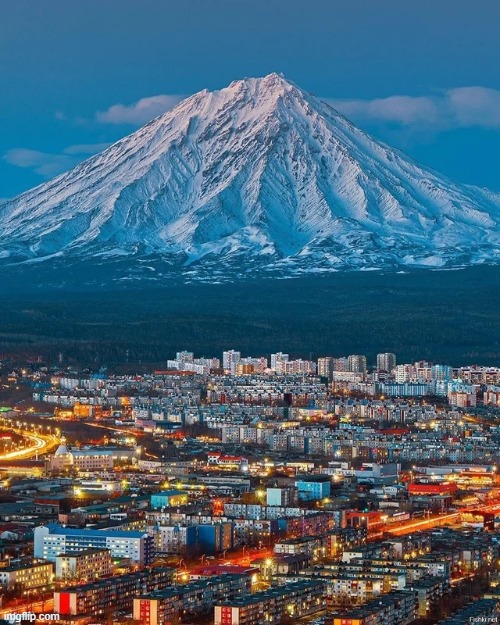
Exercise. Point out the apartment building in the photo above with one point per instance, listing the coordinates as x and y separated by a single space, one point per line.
52 540
273 605
107 595
386 362
428 591
190 600
27 576
84 565
396 608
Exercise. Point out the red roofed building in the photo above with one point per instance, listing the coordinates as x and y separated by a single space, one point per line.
230 462
432 488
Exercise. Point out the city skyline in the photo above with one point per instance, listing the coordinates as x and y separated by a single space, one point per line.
250 295
236 486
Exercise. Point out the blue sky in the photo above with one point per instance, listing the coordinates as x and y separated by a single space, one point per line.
422 75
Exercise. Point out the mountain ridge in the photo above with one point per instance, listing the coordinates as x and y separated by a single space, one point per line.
258 176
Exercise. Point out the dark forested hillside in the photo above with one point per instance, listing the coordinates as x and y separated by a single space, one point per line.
450 316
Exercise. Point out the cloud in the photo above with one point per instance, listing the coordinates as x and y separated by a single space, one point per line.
463 107
142 111
475 106
400 109
48 164
42 163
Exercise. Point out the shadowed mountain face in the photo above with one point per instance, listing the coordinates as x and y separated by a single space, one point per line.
260 178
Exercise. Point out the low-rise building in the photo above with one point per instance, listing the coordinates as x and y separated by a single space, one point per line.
428 591
108 595
282 564
84 565
53 540
313 488
482 611
168 499
273 605
395 608
27 576
88 459
192 599
312 546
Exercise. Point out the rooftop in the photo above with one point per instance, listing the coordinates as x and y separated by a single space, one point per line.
54 528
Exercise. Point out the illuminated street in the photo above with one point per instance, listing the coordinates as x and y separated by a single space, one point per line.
40 444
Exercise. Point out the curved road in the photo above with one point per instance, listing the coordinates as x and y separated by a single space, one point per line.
42 443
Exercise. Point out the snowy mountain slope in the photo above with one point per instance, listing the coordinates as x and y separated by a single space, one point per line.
260 175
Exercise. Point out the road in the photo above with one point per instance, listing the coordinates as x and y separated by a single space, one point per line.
245 558
441 519
423 524
42 443
240 558
43 606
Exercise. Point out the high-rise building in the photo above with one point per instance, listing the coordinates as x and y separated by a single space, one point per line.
403 373
184 357
386 362
340 364
325 367
277 360
229 361
297 366
441 372
259 364
356 363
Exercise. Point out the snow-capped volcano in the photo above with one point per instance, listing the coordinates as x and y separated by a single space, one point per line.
257 176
